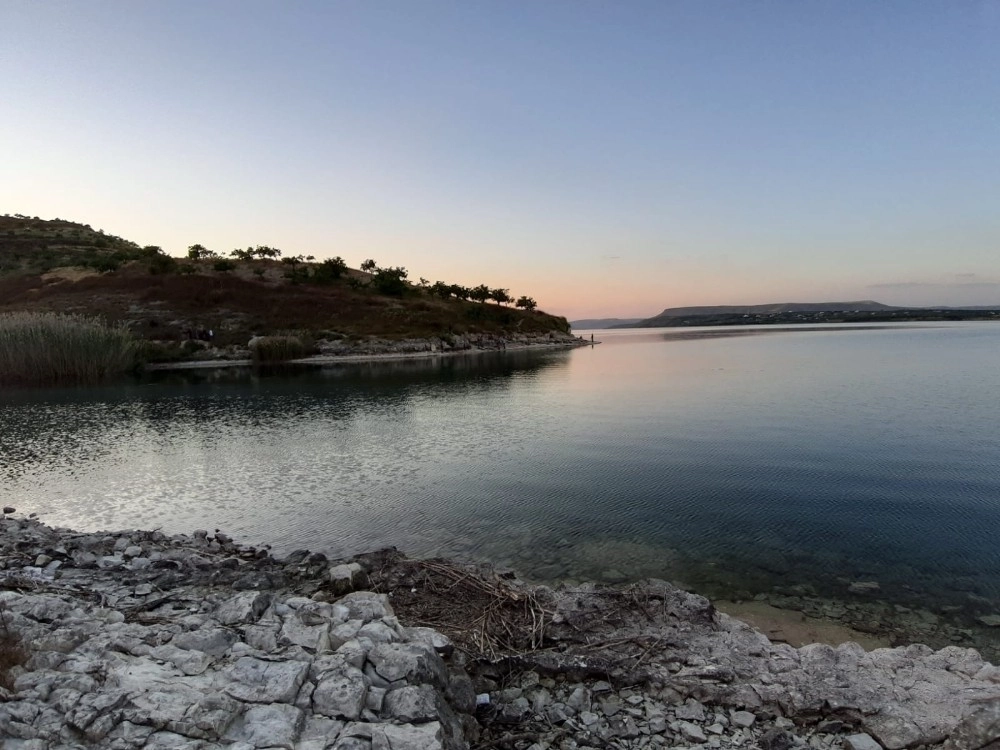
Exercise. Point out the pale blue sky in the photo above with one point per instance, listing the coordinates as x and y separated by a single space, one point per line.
608 158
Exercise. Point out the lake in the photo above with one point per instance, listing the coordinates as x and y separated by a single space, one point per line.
737 461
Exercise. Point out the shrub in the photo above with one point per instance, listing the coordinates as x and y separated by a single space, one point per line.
162 264
223 265
329 270
276 348
49 348
390 281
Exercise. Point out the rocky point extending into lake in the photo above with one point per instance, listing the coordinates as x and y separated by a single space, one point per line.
336 350
136 639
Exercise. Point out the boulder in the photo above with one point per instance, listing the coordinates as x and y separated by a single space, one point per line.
265 681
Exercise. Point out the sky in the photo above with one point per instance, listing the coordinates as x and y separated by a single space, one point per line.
606 158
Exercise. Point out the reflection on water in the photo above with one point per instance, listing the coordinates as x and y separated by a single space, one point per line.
694 334
799 461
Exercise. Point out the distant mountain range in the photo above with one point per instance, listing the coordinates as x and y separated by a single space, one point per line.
783 312
777 307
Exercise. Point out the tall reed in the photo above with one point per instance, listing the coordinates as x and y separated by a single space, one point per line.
57 349
277 348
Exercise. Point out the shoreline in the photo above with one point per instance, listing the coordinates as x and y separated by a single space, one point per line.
332 359
136 639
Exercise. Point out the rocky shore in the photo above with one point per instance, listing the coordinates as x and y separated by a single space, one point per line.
137 639
342 349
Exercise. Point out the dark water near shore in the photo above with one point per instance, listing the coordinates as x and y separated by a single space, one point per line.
732 460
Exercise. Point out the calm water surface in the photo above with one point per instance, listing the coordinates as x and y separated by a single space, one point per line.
722 458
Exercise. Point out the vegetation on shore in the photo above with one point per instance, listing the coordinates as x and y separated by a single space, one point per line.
277 348
57 349
62 267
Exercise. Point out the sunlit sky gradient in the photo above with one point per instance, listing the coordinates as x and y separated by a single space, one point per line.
607 158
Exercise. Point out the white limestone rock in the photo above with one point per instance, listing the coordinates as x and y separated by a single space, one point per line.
412 704
340 694
265 681
212 641
270 725
366 605
409 662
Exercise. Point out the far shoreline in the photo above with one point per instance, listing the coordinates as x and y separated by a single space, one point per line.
328 359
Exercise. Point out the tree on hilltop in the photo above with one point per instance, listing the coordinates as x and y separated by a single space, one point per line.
200 252
391 281
263 251
329 270
526 303
369 266
500 296
440 289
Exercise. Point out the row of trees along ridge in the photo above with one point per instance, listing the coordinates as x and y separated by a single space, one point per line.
390 280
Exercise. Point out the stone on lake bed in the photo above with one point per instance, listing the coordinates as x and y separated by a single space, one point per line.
863 587
990 621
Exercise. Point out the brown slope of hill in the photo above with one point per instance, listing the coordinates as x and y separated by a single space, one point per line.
54 266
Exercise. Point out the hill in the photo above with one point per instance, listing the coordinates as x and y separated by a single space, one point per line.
61 266
863 311
34 246
777 307
672 315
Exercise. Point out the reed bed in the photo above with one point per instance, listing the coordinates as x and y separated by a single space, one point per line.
277 348
58 349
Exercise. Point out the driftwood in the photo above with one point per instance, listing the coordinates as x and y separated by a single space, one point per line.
485 615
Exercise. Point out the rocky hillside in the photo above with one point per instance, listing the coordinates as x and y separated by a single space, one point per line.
61 266
36 246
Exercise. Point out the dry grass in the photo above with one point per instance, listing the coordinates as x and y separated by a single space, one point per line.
277 348
49 348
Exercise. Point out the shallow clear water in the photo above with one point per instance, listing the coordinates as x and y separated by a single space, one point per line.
727 459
